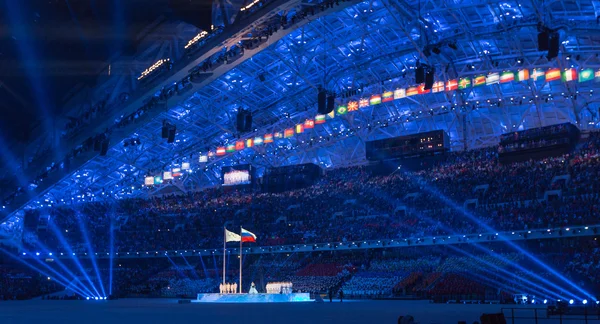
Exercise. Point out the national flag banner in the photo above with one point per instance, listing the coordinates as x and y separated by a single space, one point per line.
597 75
299 129
158 180
167 175
586 75
289 132
176 172
552 75
388 96
278 135
375 100
352 106
248 236
185 165
537 74
437 87
320 119
363 102
451 85
412 91
331 115
421 89
464 83
399 93
220 151
249 142
309 123
492 78
342 110
239 145
203 158
230 148
507 76
258 140
232 237
211 153
479 80
569 75
522 75
268 138
149 181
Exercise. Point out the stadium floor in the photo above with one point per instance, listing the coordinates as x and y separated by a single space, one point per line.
169 311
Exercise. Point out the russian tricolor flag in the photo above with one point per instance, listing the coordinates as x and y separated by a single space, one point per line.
248 236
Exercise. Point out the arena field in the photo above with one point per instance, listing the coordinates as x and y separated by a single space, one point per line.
169 311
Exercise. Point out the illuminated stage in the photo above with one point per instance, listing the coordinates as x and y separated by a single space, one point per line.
253 298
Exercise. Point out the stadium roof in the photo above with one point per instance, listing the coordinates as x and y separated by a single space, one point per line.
356 49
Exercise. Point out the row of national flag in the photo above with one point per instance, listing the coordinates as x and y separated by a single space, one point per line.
537 74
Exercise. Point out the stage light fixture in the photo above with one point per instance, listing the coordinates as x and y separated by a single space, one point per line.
545 301
571 302
585 301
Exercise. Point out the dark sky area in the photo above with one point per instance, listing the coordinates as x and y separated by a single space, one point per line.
47 47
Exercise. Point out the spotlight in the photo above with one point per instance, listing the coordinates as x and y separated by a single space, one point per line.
545 301
533 301
37 253
87 298
104 298
585 301
571 302
96 298
597 302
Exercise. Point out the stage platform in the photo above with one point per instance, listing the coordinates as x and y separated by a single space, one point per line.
253 298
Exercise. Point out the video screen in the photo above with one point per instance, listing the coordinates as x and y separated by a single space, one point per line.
237 175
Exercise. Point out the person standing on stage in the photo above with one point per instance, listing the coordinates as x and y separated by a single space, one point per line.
227 288
221 288
341 295
235 287
330 296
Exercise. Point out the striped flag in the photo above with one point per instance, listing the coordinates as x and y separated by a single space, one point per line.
375 100
492 78
220 151
388 96
320 119
299 128
569 75
421 89
412 91
537 74
552 75
479 80
268 138
507 76
230 148
399 93
523 75
249 142
289 132
258 140
248 236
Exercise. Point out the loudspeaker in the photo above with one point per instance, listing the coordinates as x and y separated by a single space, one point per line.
420 74
493 318
97 145
543 39
330 103
553 46
429 79
165 131
104 148
248 122
321 102
171 137
240 121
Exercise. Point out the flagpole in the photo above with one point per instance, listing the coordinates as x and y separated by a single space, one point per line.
224 241
240 259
